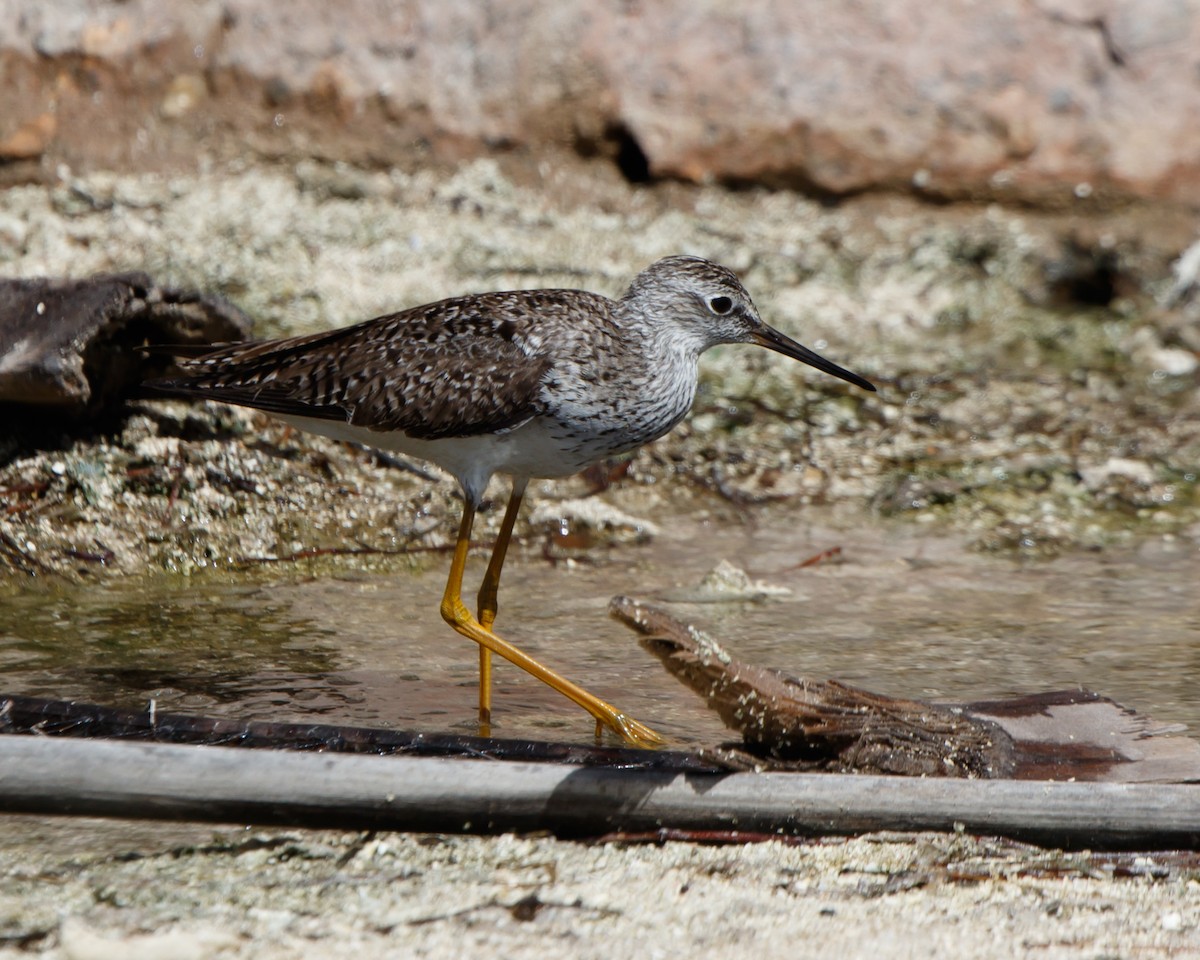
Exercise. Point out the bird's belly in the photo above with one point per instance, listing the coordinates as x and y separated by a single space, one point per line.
471 460
551 447
544 446
538 448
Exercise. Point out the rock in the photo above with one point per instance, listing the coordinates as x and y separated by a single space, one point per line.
1005 99
1135 471
726 583
69 346
30 140
1061 102
577 528
80 941
183 95
1187 275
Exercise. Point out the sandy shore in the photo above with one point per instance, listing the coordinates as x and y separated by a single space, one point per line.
85 889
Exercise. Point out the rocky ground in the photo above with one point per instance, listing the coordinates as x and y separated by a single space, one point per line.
1037 373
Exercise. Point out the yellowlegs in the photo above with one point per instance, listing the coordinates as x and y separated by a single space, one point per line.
530 383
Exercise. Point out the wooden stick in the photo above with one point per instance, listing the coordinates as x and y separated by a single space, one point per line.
68 718
164 781
794 721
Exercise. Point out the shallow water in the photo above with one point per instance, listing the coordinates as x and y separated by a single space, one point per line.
905 612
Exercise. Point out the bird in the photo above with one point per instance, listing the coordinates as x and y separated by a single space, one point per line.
531 384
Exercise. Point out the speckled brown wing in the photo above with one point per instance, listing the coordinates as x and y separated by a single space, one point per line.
451 369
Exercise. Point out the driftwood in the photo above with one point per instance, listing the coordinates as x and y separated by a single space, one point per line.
66 718
79 759
111 778
791 723
66 345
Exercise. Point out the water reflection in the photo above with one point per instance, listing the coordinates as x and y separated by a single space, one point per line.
192 649
905 613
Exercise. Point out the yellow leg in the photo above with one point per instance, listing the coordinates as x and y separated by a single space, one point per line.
489 590
455 613
485 691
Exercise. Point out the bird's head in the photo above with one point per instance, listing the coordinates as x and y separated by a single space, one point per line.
702 304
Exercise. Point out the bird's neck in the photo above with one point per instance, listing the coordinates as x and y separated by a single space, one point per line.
668 365
660 341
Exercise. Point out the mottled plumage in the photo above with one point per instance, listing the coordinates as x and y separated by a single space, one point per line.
557 378
532 383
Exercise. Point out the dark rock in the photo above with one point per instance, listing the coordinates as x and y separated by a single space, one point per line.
69 347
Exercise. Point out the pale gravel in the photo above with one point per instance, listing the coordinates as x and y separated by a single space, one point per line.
92 889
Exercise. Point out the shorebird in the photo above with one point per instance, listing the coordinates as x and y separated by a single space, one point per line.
528 383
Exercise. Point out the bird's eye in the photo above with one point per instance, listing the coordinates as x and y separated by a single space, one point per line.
720 305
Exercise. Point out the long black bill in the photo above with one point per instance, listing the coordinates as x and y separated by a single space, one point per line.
772 339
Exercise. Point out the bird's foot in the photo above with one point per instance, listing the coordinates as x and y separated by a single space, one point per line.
631 731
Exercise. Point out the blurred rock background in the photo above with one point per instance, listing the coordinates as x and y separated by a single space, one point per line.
1039 103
